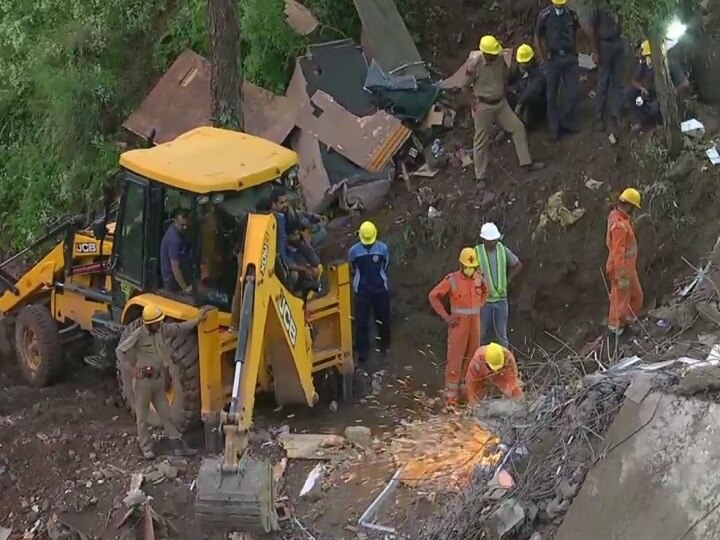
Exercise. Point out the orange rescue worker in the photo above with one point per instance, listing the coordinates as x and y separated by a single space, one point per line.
496 364
467 290
626 295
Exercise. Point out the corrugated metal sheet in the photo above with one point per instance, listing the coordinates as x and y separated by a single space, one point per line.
180 101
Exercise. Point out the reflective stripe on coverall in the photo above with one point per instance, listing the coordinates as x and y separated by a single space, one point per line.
626 295
467 296
479 374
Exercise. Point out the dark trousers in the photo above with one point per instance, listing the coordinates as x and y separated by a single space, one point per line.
562 69
646 113
379 305
611 72
533 113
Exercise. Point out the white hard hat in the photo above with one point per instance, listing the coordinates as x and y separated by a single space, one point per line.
490 232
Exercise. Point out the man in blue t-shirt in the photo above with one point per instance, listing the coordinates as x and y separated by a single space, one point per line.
176 254
369 259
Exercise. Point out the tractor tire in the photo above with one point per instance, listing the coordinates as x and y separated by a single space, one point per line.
184 395
37 342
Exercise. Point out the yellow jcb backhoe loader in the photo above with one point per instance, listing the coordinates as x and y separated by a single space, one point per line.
95 283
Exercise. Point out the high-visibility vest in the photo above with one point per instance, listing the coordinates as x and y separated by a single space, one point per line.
498 286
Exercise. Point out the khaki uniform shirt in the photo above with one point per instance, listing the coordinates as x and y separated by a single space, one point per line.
142 349
487 79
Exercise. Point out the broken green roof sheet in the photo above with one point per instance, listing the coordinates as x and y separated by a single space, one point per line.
387 40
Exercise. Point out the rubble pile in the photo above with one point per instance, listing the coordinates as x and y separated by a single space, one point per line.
548 446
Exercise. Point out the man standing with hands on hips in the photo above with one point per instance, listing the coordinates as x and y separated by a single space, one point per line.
495 261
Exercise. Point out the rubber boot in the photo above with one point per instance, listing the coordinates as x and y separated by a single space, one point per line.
180 449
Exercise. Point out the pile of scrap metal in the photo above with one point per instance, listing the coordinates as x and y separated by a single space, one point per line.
345 112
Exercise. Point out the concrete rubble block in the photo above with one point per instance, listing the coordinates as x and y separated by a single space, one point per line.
702 379
359 435
507 518
167 470
134 498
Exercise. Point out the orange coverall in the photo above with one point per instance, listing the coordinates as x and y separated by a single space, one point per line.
467 297
479 373
626 295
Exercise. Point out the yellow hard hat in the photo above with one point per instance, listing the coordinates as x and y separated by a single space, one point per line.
524 54
490 45
631 196
559 2
645 49
468 258
367 233
495 356
152 314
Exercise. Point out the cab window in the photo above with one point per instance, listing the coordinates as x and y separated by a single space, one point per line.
132 236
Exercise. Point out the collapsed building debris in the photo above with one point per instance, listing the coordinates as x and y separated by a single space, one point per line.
180 101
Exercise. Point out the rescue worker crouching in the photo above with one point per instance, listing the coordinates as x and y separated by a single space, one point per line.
369 260
641 96
495 364
485 87
626 294
147 353
467 292
527 87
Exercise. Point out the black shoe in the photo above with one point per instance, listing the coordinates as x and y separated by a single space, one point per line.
534 166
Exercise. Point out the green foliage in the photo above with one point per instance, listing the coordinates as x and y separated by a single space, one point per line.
640 17
64 88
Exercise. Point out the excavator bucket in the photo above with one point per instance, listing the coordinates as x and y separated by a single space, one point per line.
243 500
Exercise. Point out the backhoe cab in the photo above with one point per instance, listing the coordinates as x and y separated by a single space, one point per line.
97 281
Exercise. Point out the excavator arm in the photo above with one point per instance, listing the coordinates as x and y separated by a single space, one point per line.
273 334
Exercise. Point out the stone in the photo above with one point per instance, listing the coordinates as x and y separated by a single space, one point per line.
557 507
568 489
134 498
167 470
503 521
682 167
154 476
312 488
699 380
333 406
360 435
536 536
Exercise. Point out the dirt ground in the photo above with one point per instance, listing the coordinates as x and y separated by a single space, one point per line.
70 450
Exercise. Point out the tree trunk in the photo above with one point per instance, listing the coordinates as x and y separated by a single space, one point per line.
225 64
667 97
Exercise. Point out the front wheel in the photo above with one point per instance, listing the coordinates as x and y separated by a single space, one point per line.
184 393
38 346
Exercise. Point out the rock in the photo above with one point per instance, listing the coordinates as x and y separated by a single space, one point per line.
536 536
360 435
107 472
333 406
136 481
93 456
702 379
154 476
312 488
531 512
503 521
167 470
682 167
557 507
134 498
568 489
